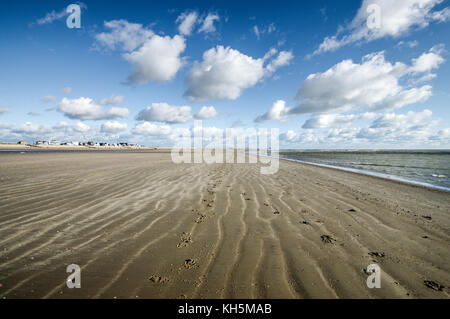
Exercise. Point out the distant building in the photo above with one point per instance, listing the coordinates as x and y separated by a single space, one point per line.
41 142
22 142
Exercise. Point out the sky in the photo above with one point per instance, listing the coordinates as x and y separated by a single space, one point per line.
328 74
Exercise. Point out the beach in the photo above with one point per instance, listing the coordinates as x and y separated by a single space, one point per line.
140 226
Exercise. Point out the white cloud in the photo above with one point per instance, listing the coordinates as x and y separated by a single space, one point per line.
52 16
259 31
402 120
372 84
77 127
206 112
48 99
412 129
208 23
147 128
33 113
85 108
3 110
283 58
112 100
66 90
113 127
151 57
441 16
121 32
335 120
278 111
187 22
303 137
158 59
409 44
428 61
256 31
163 112
397 19
30 128
225 73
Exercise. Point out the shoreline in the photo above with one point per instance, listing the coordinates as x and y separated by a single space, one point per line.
387 177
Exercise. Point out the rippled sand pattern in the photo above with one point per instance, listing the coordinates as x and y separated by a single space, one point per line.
140 226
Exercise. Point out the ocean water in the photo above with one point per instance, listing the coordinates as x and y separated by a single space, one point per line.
429 168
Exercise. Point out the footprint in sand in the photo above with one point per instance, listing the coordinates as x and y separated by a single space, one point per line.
376 254
433 285
200 218
189 263
327 239
158 279
186 239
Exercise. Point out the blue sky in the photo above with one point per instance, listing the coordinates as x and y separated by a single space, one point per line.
144 71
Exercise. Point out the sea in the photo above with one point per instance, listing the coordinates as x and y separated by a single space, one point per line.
429 168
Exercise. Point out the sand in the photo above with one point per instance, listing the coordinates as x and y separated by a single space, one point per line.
140 226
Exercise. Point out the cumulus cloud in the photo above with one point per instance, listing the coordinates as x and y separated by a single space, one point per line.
163 112
402 120
283 58
206 112
428 61
68 128
158 59
147 128
303 137
151 57
187 21
123 33
84 108
113 127
411 129
224 73
208 23
278 111
66 90
48 99
335 120
112 100
372 84
397 18
29 128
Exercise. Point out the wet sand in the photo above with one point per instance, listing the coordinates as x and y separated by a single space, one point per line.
140 226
